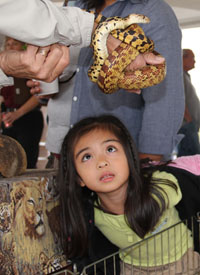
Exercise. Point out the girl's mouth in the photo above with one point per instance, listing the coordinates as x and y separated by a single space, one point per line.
107 177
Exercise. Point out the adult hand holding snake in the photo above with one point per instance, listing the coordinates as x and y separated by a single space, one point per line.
139 62
110 70
43 63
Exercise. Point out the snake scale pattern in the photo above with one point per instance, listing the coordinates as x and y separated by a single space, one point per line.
108 70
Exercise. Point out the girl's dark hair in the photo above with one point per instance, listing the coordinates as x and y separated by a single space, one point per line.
142 210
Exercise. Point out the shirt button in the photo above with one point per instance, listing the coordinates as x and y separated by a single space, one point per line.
75 98
77 70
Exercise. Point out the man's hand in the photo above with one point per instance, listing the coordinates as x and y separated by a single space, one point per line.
35 89
35 86
44 63
10 117
140 61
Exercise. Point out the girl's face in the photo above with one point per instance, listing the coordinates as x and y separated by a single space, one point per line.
101 162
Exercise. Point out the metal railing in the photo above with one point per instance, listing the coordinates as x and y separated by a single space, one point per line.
155 254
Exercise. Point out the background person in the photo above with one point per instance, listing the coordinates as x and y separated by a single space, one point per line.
153 127
21 115
68 29
190 145
155 135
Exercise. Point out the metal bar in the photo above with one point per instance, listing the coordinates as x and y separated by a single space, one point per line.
163 255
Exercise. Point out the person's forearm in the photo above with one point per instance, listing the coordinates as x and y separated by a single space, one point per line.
27 106
22 19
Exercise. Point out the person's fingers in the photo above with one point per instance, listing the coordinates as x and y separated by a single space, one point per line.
32 83
55 62
153 59
42 54
63 62
43 51
26 63
46 96
7 117
33 59
143 59
137 63
35 90
138 92
112 43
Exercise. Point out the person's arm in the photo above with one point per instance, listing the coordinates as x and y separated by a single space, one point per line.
42 23
171 195
66 25
22 20
29 105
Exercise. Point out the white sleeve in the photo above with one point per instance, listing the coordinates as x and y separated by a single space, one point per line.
40 22
5 80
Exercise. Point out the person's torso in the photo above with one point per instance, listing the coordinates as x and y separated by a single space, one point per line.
16 95
150 252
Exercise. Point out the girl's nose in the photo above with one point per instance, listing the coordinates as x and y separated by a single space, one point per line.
102 164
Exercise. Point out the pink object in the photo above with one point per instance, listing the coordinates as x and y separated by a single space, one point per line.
189 163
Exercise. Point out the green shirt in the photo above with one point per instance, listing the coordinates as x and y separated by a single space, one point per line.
163 248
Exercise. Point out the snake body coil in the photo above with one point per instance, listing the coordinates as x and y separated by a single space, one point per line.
100 38
108 70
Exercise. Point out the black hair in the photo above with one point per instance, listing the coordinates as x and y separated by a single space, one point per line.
144 204
93 4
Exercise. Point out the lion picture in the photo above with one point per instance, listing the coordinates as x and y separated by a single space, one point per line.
31 235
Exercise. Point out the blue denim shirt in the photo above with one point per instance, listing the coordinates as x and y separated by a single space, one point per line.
154 117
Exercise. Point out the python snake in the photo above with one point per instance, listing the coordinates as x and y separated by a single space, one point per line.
108 70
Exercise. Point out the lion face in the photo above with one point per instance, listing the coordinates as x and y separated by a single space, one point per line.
33 210
29 207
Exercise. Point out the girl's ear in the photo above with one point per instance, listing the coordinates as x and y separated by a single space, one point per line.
80 181
82 184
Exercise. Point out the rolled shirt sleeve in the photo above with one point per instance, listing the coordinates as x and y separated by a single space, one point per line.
40 22
5 80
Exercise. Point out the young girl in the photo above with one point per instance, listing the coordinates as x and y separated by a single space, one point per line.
105 195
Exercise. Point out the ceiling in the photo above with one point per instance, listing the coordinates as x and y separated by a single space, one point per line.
187 12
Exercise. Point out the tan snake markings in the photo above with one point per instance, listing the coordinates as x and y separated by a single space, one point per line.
108 70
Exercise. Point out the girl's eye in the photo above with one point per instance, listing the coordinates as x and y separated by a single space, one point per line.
111 149
86 157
